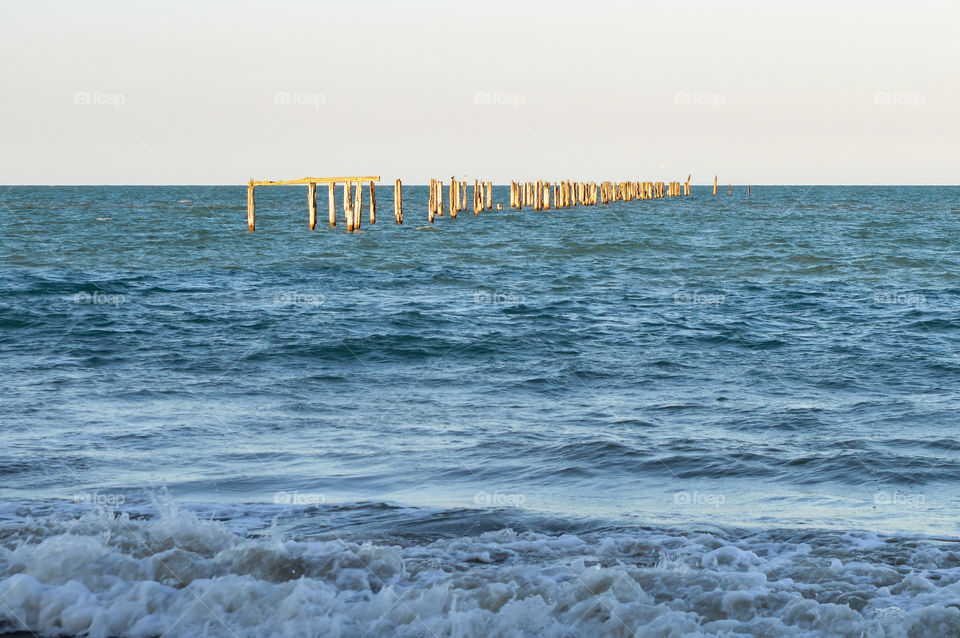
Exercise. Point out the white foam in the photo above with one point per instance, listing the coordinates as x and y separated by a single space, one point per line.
178 575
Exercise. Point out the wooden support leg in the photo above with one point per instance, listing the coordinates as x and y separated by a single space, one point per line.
398 201
348 206
332 203
251 207
312 204
358 207
373 204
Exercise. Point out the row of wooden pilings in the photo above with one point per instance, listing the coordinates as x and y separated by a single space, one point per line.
482 198
537 195
565 194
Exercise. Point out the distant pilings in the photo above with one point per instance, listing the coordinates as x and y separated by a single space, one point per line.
540 195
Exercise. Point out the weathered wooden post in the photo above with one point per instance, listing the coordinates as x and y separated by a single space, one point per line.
312 204
331 204
373 204
440 198
714 184
348 205
251 207
398 201
748 190
358 207
731 189
489 199
453 198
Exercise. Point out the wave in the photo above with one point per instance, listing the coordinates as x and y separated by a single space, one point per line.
179 574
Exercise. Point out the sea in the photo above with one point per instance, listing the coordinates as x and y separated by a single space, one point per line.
731 415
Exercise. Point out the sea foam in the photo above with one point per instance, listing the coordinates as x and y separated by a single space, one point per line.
178 574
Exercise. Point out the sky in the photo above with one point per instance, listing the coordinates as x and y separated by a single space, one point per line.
211 92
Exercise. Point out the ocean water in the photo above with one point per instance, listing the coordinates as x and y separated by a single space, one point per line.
703 416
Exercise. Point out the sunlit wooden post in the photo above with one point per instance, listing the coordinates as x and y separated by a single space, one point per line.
453 198
358 206
251 207
430 201
348 205
373 204
489 195
312 204
440 198
398 201
714 184
332 203
748 190
731 189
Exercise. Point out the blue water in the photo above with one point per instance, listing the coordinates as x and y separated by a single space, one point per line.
776 373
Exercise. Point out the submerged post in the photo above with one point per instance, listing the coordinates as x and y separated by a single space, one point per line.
250 207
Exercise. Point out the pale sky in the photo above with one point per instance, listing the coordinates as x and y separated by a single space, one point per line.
216 92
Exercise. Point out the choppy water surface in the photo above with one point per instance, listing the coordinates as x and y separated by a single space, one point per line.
707 414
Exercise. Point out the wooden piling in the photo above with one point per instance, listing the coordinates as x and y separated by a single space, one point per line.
748 190
348 205
373 204
714 184
332 203
358 207
398 201
430 200
312 204
453 198
731 189
489 199
251 207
